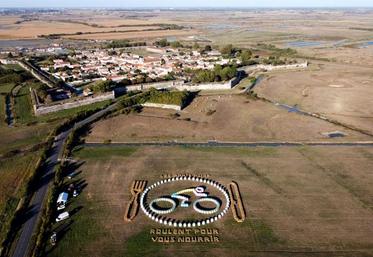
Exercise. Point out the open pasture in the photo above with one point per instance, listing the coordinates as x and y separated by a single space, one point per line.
304 201
338 91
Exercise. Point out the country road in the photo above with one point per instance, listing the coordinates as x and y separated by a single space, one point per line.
23 244
37 201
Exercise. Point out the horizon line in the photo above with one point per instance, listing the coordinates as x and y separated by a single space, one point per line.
185 7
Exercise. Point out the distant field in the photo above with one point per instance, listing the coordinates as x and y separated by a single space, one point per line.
134 35
333 34
32 29
14 27
115 22
306 201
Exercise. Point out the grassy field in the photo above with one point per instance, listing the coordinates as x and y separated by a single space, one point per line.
6 88
23 136
13 172
301 201
23 107
30 130
25 113
70 112
2 110
102 153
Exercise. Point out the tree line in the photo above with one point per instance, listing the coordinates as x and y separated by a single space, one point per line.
124 43
218 74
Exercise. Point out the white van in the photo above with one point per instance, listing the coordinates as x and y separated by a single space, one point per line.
62 200
63 216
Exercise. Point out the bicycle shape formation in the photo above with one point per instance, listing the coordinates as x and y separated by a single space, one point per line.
185 203
154 212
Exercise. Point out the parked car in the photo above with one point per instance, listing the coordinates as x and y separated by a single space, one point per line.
63 216
75 193
71 187
71 175
53 238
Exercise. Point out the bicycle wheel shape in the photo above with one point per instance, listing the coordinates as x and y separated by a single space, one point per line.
159 215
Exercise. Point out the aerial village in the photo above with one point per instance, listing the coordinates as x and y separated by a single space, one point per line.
105 64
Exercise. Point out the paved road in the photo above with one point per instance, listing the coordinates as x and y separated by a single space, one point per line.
36 205
37 201
231 144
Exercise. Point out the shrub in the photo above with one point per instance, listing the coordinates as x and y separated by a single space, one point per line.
217 74
180 98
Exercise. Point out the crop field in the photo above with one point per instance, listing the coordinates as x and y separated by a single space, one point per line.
217 117
301 201
32 29
72 22
133 34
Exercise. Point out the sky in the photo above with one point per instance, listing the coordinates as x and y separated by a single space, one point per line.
184 3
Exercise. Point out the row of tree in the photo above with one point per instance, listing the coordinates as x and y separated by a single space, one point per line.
219 73
124 43
164 42
12 76
180 98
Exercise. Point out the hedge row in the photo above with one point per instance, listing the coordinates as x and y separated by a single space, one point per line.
180 98
15 223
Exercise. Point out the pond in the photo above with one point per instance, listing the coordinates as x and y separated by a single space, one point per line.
221 26
366 44
171 39
304 43
24 43
334 134
294 109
